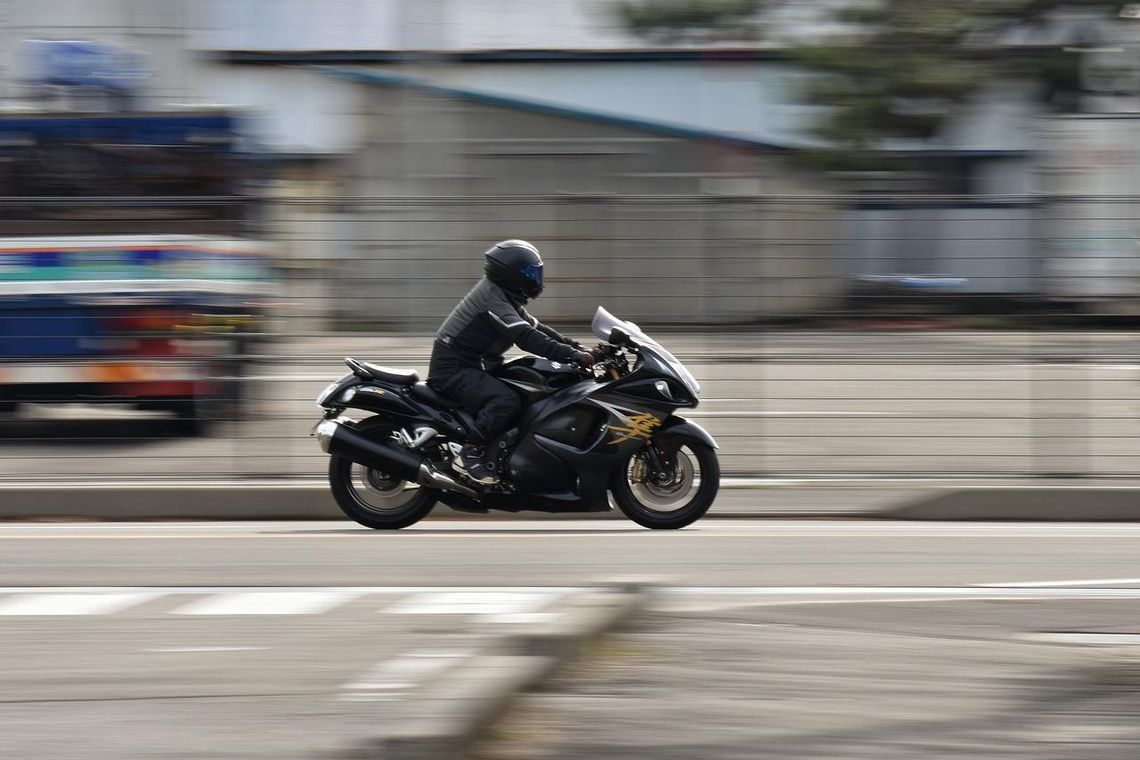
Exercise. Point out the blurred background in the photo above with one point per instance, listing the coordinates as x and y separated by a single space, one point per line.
894 238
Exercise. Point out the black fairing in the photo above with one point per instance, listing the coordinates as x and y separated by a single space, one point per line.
573 440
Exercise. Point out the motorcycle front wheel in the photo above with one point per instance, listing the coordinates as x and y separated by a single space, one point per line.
373 498
672 499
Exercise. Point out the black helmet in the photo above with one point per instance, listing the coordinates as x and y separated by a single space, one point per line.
516 266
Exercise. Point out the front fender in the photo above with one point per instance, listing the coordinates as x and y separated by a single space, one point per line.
679 427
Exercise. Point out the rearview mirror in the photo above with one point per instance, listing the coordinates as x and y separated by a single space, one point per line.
618 337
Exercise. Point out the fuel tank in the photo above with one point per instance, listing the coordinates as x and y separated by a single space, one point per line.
536 377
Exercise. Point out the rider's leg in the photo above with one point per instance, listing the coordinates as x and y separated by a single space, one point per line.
495 407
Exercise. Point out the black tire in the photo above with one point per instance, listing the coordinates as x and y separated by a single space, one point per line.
693 510
342 480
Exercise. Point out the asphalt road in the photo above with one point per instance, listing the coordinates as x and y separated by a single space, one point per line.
269 640
785 403
510 553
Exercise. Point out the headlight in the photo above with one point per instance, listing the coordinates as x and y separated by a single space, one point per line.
688 379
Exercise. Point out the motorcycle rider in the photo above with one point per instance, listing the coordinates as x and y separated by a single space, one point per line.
471 341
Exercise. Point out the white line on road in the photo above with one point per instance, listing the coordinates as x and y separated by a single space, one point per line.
1055 584
468 603
268 603
400 674
773 413
1083 638
960 591
233 590
592 530
98 603
507 604
203 649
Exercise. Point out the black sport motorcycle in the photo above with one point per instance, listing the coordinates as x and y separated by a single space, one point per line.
583 436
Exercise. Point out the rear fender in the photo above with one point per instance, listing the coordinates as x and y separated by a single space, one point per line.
396 401
380 398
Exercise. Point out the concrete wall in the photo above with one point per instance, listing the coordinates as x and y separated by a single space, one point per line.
995 246
660 229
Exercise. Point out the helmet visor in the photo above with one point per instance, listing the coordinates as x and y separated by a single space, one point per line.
533 273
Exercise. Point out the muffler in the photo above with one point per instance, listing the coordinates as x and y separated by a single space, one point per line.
340 440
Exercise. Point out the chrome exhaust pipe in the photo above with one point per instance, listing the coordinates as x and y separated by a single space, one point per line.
338 439
433 478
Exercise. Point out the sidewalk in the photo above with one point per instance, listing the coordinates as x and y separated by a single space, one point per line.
848 681
309 499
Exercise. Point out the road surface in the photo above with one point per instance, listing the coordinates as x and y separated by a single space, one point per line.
268 640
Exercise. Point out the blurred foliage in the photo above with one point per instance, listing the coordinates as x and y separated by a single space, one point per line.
681 21
903 67
898 70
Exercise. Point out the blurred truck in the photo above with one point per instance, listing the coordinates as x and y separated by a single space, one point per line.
160 322
127 273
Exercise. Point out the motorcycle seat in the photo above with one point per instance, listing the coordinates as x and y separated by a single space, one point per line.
376 372
424 393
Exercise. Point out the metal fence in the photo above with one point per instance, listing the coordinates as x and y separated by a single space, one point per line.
814 362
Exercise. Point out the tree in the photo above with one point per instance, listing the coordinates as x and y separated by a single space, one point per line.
904 67
689 21
899 70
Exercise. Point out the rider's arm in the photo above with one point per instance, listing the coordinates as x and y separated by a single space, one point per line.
523 334
547 330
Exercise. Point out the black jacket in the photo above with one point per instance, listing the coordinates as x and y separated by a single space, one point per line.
485 324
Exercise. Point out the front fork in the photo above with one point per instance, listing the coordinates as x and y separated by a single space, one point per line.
659 460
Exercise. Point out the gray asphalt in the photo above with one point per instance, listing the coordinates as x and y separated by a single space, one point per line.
489 552
259 640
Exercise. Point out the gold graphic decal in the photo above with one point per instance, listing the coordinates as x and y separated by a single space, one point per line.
640 427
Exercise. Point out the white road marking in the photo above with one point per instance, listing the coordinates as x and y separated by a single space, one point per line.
593 530
203 649
231 590
100 603
724 603
400 674
1086 639
1058 584
964 592
467 603
773 413
524 618
721 598
511 605
267 603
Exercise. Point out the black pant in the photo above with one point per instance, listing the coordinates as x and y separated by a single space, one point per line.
494 404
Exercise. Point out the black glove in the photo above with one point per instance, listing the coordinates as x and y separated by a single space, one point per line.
585 358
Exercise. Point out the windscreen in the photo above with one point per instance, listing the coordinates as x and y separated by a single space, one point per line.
604 323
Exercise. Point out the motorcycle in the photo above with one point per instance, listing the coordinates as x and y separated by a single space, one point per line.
584 436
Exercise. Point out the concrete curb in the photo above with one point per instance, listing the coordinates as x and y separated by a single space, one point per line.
443 720
1042 503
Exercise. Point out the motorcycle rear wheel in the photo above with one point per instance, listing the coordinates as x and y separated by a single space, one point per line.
674 503
373 498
